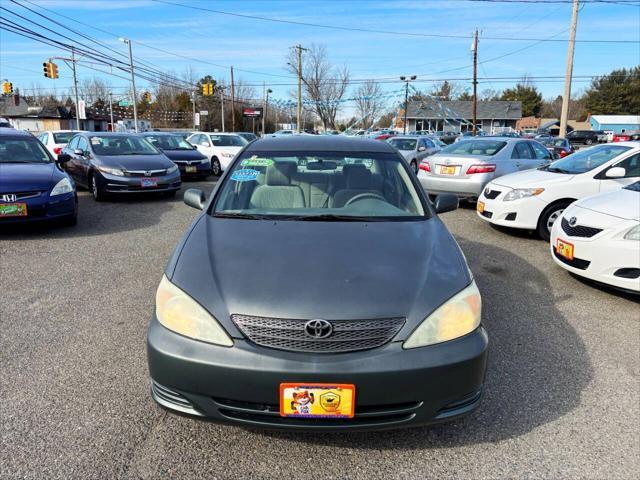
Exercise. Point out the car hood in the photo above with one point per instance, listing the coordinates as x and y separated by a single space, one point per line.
328 270
136 162
25 177
621 203
532 179
183 154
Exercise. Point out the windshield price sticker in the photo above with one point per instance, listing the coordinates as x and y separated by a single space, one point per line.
245 175
257 162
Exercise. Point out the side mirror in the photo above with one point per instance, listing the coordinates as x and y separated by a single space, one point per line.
446 202
78 151
616 172
195 198
422 148
63 158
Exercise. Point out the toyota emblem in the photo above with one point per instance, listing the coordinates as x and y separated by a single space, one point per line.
573 221
9 197
318 329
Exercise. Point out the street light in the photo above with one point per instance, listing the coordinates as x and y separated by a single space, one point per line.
266 107
133 83
406 97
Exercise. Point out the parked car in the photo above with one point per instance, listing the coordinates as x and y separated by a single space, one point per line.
33 186
354 335
56 140
602 136
248 136
560 147
220 148
119 163
414 149
183 135
598 238
283 132
465 167
447 137
535 199
189 160
586 137
627 136
4 123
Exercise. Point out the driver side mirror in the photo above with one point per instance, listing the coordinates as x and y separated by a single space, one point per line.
446 202
616 172
422 148
195 198
63 158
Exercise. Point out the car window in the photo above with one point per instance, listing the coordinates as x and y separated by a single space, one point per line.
203 141
22 150
522 150
228 140
539 151
122 145
357 186
169 142
44 138
586 160
474 147
429 143
403 143
62 137
83 145
631 165
73 143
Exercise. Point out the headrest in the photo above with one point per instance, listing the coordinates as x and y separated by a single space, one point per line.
279 174
358 177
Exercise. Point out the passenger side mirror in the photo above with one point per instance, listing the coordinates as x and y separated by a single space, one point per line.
195 198
78 151
446 202
63 158
616 172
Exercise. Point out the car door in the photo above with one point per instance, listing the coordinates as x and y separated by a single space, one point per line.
632 174
84 161
422 150
542 155
522 156
431 147
72 165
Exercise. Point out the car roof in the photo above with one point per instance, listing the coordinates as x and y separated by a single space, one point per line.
7 131
217 133
155 134
334 143
408 137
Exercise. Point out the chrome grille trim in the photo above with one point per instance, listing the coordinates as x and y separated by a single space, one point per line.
143 173
289 334
21 195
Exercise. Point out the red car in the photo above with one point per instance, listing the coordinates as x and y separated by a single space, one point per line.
626 136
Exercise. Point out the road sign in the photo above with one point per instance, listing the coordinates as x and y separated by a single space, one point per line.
252 112
123 103
204 113
197 119
82 114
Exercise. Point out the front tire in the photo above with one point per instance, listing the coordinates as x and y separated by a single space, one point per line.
588 141
549 216
96 190
216 168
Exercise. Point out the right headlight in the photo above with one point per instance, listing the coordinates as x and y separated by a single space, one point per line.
178 312
633 234
519 193
458 316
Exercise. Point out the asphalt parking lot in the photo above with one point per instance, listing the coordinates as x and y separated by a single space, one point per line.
562 389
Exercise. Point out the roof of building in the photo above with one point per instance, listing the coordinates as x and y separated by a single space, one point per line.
617 119
463 109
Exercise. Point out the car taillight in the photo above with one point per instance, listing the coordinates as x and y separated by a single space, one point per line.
487 168
563 153
425 166
57 150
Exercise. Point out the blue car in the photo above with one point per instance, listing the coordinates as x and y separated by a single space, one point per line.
33 186
188 159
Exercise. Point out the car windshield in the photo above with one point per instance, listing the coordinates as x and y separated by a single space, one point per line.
63 137
329 186
228 140
22 150
474 147
122 145
169 142
586 160
403 143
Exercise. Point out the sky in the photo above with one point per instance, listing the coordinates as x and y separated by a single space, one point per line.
262 46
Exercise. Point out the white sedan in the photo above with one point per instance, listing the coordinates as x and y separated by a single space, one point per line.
218 147
598 237
56 140
535 199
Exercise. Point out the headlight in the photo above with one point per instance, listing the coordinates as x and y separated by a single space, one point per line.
111 171
63 186
172 169
633 234
228 155
519 193
456 317
178 312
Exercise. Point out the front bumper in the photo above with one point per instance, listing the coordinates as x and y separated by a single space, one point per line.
202 168
523 213
465 187
394 387
46 208
119 184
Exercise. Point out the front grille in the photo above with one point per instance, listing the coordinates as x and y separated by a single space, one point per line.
575 263
22 195
289 334
579 230
491 194
145 173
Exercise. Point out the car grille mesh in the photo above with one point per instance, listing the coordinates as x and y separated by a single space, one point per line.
579 230
491 194
288 334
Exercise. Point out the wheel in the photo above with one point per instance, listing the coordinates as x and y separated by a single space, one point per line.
216 168
414 165
96 190
548 217
588 141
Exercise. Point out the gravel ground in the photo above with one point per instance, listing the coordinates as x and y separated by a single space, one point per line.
562 393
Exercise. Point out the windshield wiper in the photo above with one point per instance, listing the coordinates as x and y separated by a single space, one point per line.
246 216
332 217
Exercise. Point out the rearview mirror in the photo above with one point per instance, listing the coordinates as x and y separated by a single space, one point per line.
446 202
63 158
616 172
195 198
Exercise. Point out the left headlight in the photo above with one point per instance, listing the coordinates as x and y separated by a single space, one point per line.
63 186
458 316
178 312
519 193
172 169
633 234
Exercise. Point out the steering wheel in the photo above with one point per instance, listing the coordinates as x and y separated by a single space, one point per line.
362 196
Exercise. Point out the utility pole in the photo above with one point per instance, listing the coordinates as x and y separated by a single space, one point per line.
133 84
193 103
475 81
233 103
299 48
111 109
75 87
222 107
406 99
566 98
266 110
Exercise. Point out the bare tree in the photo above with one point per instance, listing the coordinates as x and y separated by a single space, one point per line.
94 91
368 102
324 84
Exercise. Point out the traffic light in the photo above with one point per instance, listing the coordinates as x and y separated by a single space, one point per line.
147 96
50 70
7 88
208 88
54 70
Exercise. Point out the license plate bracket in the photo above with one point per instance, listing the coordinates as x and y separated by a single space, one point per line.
564 249
317 400
149 182
447 169
190 169
13 210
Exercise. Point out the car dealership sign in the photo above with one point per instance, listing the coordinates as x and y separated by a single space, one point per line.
252 112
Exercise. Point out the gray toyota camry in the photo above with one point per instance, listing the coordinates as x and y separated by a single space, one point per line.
318 289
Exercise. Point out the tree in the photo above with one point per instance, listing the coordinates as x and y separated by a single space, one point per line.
551 108
447 90
465 96
617 93
528 95
368 102
324 84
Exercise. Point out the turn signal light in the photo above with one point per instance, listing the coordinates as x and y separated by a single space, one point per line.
425 166
486 168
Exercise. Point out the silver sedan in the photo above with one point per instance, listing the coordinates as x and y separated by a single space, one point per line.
414 148
465 167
